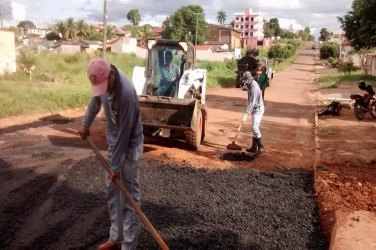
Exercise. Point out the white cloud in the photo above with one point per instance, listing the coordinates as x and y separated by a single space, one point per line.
18 11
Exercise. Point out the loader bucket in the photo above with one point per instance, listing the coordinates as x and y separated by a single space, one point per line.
170 117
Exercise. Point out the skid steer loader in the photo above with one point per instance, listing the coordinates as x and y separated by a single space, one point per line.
172 97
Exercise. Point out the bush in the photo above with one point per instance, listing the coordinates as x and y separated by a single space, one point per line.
332 61
329 49
348 67
279 52
231 64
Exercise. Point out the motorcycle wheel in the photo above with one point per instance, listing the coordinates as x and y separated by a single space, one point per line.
373 110
359 113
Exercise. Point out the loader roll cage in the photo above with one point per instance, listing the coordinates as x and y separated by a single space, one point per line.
163 79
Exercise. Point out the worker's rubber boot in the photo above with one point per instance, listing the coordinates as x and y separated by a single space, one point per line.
260 146
109 245
253 148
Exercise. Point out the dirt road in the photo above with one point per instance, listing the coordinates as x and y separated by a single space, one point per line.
52 194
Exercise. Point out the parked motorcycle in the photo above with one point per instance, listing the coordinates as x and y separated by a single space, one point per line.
362 105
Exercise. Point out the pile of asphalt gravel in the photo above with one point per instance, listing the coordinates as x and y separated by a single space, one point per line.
190 208
237 157
230 209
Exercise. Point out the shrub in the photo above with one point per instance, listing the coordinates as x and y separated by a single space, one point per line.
231 64
329 49
348 67
332 60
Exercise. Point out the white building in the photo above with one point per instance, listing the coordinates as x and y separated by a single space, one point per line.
7 52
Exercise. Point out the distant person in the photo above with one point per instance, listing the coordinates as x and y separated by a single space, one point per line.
169 73
255 107
263 81
270 75
113 91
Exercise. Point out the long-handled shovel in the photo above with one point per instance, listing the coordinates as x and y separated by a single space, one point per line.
233 145
122 188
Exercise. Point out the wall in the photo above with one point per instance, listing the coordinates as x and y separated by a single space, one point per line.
201 55
124 45
208 56
7 52
371 65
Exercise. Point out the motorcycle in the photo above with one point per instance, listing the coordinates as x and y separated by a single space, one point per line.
362 105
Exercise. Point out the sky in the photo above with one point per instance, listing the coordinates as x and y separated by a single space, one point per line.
315 14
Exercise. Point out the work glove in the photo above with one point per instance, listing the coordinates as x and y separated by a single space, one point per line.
245 116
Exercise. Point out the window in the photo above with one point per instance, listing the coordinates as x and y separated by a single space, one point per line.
246 26
251 19
237 19
241 26
251 26
246 33
246 18
251 33
241 19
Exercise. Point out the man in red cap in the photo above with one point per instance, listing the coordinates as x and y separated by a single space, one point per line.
113 91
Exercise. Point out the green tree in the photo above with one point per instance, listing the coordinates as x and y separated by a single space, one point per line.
60 27
305 34
182 24
71 29
324 35
221 17
359 24
53 35
134 17
274 26
82 28
145 33
268 32
24 25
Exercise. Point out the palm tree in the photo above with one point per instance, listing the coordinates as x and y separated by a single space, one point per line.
82 29
71 29
145 33
61 29
221 17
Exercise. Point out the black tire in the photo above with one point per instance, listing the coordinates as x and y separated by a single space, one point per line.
359 113
373 110
204 125
193 138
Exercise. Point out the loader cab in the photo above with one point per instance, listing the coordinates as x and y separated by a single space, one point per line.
166 63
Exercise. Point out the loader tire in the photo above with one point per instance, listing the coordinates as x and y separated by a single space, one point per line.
193 138
204 125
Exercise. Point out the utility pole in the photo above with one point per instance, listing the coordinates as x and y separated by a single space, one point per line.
1 16
104 28
194 13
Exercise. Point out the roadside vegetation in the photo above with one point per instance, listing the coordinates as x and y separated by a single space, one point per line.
335 79
58 82
48 81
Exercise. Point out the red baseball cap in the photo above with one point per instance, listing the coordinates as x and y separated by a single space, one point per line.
98 71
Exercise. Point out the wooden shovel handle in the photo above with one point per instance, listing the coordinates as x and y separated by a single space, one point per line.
131 201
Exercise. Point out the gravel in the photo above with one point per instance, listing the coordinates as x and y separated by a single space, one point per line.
191 208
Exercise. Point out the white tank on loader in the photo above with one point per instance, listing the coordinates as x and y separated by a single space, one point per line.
172 92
